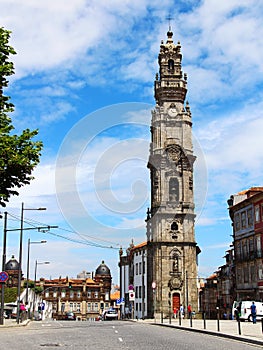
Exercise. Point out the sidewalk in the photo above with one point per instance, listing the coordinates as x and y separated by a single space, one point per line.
250 333
12 323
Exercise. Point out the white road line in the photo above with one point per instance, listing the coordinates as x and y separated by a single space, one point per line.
120 339
116 331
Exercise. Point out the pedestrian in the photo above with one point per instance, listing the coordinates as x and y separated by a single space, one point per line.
253 312
189 310
22 311
175 312
181 311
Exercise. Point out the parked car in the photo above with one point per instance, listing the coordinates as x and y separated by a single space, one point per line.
70 316
110 314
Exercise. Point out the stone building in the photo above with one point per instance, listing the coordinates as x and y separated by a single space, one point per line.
86 297
171 247
12 268
246 213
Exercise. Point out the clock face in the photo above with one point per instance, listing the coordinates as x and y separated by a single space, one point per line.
172 112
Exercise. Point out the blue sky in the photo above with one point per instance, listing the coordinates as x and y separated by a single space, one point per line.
84 78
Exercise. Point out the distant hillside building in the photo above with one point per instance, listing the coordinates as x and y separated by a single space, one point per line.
12 268
86 297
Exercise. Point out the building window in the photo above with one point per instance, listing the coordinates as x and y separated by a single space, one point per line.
251 246
78 294
237 222
136 269
259 253
140 292
257 218
62 307
47 294
89 294
71 294
136 292
96 294
96 308
54 294
88 307
173 189
249 217
71 306
170 64
63 294
246 274
78 307
244 250
238 251
140 268
107 296
243 220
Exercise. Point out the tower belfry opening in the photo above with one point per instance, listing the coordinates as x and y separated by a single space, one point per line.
172 249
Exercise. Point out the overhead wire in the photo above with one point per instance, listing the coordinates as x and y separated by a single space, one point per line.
84 241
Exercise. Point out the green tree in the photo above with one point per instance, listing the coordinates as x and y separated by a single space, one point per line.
19 154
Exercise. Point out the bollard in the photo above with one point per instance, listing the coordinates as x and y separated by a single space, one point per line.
204 320
262 325
180 319
239 326
217 311
191 320
161 316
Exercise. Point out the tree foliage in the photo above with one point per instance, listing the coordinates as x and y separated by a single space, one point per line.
19 154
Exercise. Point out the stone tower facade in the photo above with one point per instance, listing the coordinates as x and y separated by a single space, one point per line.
172 250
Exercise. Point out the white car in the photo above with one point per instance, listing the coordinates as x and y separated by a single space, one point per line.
245 311
110 314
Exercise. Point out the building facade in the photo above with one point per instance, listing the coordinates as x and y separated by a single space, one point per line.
171 247
133 281
246 213
86 297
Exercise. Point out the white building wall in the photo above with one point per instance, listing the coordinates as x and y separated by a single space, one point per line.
140 283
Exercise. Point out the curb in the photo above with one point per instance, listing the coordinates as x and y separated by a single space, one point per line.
217 334
14 324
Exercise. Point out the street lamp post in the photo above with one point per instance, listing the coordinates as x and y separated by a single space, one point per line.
34 299
21 229
20 258
28 257
3 269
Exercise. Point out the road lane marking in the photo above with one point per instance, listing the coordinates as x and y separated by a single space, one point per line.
120 339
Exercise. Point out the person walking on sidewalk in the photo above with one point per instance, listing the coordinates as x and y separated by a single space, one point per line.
253 312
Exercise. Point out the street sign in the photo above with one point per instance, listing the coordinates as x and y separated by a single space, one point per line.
131 287
120 301
131 295
3 276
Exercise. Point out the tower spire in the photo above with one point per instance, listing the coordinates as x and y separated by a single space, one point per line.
169 18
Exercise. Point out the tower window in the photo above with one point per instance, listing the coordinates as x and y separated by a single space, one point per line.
170 64
174 226
173 189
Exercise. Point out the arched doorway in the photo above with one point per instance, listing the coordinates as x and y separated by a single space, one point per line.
176 301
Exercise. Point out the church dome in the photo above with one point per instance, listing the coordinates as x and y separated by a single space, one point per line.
12 264
103 269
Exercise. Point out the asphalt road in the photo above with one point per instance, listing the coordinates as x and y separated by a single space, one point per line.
109 335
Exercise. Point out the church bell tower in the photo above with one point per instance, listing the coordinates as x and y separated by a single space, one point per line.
172 250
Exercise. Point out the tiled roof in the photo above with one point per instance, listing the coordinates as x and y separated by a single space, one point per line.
115 295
